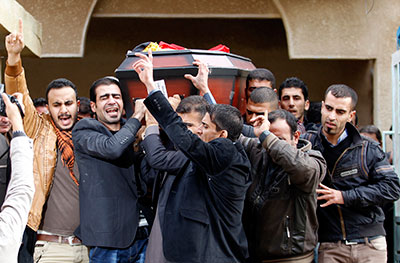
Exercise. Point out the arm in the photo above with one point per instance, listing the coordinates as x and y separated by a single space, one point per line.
211 157
15 81
383 183
15 209
20 191
158 157
306 169
92 138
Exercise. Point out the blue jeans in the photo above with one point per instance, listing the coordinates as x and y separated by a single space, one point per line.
133 254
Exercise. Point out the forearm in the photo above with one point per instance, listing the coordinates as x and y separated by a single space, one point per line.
305 169
159 157
191 145
375 193
15 82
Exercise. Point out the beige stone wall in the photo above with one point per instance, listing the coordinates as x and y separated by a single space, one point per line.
64 25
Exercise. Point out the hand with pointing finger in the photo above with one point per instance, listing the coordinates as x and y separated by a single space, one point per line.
260 123
332 196
15 45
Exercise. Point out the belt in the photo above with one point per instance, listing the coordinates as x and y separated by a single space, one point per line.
360 240
72 240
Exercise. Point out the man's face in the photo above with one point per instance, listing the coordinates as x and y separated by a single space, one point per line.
282 130
193 121
335 112
209 129
255 109
63 107
5 124
256 83
292 100
108 106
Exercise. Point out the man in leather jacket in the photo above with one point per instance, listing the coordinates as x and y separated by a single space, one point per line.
280 210
358 182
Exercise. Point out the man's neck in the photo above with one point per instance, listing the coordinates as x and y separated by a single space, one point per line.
332 138
113 127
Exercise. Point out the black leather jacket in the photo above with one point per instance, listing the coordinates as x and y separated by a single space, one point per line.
280 210
366 180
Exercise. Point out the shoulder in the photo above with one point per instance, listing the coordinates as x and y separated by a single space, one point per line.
88 124
222 143
373 149
311 136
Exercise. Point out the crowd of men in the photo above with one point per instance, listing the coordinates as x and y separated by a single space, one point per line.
206 184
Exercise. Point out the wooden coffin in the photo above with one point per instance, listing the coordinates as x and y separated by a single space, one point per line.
227 79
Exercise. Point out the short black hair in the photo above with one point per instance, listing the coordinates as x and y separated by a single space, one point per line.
293 82
102 81
343 91
260 74
284 115
264 94
314 112
58 84
226 117
193 103
39 102
373 130
84 106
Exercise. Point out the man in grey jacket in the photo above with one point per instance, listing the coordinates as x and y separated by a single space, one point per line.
18 200
280 210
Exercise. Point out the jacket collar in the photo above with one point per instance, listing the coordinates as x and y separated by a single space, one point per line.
304 145
352 133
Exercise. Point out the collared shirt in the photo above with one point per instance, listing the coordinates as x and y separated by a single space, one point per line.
341 138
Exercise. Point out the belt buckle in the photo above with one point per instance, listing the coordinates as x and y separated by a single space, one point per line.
348 243
70 240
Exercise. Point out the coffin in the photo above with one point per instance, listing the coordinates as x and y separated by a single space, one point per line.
227 79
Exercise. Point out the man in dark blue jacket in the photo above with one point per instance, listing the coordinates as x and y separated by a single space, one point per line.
358 182
108 192
202 219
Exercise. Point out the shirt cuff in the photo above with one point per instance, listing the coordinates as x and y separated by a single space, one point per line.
18 133
209 98
153 129
153 91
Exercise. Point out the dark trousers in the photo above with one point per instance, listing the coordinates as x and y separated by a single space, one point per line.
25 254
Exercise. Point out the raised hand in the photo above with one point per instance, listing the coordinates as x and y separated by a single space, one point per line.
260 123
144 68
15 44
201 79
140 109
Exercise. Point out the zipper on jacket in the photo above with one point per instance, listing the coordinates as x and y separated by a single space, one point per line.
342 222
287 227
338 206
